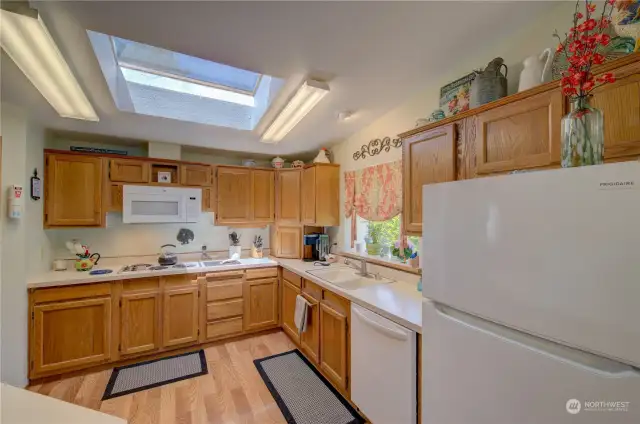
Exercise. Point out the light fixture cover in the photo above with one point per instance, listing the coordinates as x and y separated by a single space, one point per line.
29 44
305 98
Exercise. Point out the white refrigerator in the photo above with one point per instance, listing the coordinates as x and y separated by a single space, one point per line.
531 309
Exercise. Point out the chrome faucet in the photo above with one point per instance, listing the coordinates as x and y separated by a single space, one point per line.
362 268
205 256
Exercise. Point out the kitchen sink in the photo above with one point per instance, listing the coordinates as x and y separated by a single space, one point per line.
347 278
220 263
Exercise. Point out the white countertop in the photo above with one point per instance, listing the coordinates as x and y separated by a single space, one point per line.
72 277
20 406
399 301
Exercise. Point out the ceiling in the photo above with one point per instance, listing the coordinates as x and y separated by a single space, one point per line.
374 55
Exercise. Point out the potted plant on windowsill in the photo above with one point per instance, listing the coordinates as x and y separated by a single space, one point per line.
407 253
373 240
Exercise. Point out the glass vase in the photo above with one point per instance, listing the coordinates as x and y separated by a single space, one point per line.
582 135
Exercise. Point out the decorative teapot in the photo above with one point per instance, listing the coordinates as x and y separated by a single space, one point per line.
490 84
85 263
536 70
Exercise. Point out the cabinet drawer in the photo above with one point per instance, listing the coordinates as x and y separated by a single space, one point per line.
253 274
179 280
312 289
224 309
338 303
291 277
141 284
72 292
224 327
225 275
220 291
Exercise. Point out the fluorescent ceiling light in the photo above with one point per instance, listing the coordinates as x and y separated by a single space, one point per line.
305 99
28 42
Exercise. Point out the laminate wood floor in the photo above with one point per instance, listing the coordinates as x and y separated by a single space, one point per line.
232 392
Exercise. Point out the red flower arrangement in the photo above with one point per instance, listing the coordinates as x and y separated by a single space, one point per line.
579 47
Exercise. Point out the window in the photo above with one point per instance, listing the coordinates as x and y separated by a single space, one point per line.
153 81
389 233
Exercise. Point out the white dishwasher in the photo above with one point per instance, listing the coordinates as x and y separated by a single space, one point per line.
383 368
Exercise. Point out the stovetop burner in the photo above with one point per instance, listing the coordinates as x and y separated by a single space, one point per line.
157 268
135 268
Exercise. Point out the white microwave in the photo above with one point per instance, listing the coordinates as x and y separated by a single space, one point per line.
152 204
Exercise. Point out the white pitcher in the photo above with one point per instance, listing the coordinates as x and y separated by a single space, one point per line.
537 70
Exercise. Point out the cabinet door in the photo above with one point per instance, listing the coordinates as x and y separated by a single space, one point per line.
308 195
115 198
195 175
263 192
289 293
310 339
288 197
428 158
71 334
333 345
206 200
261 303
139 322
524 134
74 191
289 242
180 316
327 194
620 106
234 195
129 171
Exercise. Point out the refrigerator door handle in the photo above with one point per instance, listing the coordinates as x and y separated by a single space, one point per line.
592 362
390 332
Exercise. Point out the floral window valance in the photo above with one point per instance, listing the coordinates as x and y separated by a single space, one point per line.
374 193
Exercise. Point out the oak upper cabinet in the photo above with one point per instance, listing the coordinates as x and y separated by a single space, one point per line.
196 175
289 292
334 343
74 191
522 134
620 106
139 322
288 196
263 195
261 303
70 334
129 171
234 195
321 195
287 241
116 198
207 199
428 158
180 316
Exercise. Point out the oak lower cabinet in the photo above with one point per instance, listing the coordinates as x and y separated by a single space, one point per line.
310 339
289 293
334 339
222 304
261 303
140 322
74 191
180 316
69 331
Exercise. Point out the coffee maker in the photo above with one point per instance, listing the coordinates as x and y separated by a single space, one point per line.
315 247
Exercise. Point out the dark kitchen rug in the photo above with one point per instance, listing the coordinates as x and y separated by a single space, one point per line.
303 394
158 372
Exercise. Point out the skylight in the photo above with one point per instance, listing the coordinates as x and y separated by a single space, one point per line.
153 81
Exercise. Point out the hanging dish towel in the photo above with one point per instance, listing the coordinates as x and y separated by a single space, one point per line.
300 316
